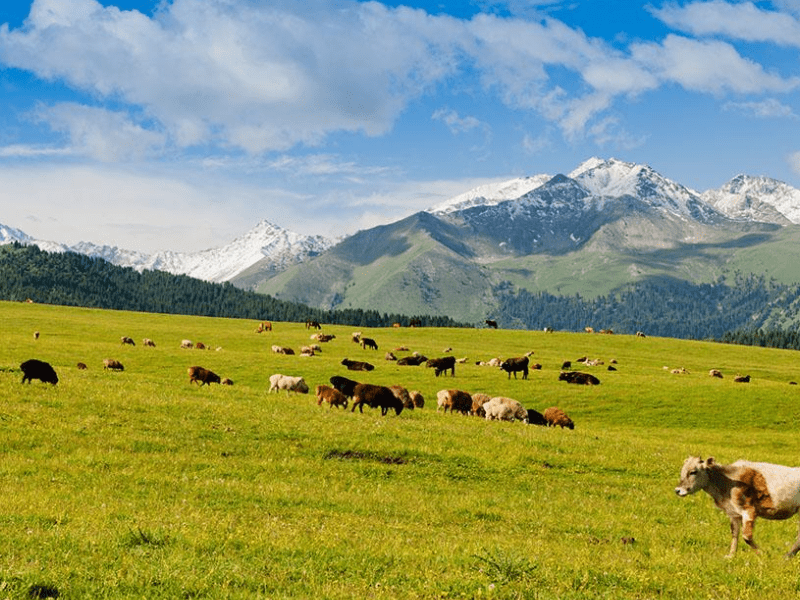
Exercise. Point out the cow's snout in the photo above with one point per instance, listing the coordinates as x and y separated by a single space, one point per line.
681 492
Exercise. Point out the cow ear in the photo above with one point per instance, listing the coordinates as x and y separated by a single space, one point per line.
710 461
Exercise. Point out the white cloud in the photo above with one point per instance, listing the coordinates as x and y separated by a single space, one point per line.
794 162
458 124
765 109
708 66
101 134
740 20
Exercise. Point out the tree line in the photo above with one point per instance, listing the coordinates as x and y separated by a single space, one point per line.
72 279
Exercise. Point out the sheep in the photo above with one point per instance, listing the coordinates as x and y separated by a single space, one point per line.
455 400
344 385
148 343
330 395
417 398
187 344
82 366
412 361
282 350
288 383
578 378
742 378
555 416
374 396
35 335
355 337
204 376
402 394
357 365
368 342
227 381
389 356
505 409
536 418
38 369
715 373
478 400
112 364
126 340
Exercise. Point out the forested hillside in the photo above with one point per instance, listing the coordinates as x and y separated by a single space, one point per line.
71 279
665 307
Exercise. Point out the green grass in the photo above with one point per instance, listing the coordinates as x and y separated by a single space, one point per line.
136 484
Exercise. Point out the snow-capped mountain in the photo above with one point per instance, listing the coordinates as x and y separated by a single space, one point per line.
491 193
264 241
756 199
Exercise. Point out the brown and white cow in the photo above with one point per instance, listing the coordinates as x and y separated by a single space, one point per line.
745 490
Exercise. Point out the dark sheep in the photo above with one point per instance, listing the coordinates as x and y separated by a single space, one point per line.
357 365
536 418
344 385
578 378
330 395
375 396
557 417
203 376
126 340
442 365
512 365
38 369
491 323
113 364
412 361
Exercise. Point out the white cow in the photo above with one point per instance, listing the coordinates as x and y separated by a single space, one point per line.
745 490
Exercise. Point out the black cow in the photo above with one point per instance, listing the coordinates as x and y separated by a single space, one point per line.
512 365
442 365
344 385
357 365
578 378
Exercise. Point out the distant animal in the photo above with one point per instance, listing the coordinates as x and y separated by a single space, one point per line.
556 417
368 343
287 382
126 340
38 369
491 323
417 398
313 325
454 401
355 337
344 385
389 356
679 371
412 361
187 344
567 364
323 337
588 329
548 330
512 365
357 365
745 490
148 343
375 396
306 351
442 365
402 394
202 375
112 364
282 350
264 326
330 395
227 381
82 366
199 346
715 373
36 335
505 409
578 378
478 400
536 418
640 334
742 379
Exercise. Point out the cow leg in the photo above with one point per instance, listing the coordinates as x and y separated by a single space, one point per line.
736 527
795 548
747 531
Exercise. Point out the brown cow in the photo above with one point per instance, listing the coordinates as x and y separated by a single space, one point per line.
203 376
745 490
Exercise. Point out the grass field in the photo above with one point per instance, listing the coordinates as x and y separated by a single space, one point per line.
136 484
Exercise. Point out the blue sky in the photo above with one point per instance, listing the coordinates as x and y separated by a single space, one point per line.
179 124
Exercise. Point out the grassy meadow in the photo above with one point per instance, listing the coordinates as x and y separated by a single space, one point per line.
136 484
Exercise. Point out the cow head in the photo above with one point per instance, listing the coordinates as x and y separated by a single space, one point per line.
694 475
